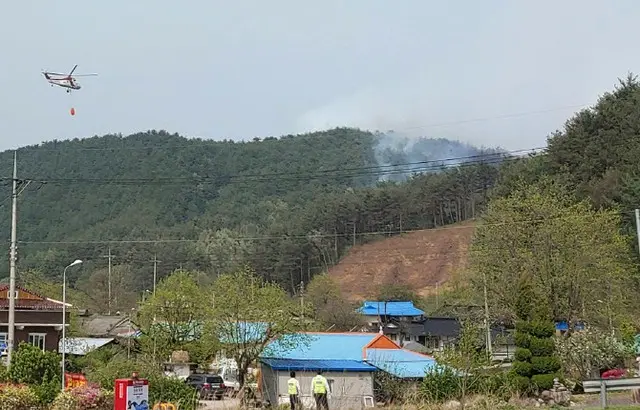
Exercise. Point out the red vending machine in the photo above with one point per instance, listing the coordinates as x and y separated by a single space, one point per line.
131 394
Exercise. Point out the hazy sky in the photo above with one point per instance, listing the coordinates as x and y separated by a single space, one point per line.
239 69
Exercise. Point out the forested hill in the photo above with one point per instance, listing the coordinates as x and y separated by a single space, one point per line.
288 207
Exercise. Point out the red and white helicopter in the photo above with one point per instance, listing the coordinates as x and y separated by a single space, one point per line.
67 81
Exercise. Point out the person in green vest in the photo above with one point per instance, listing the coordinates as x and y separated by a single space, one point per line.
320 389
293 387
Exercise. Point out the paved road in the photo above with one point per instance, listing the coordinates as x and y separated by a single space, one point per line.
226 404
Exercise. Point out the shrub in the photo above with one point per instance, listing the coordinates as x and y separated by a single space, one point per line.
543 381
522 339
169 389
521 384
541 347
84 397
439 385
17 397
522 368
541 329
30 365
545 364
522 354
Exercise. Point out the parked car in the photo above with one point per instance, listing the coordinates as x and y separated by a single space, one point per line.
209 385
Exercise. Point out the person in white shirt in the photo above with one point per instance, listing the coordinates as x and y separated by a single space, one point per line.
293 387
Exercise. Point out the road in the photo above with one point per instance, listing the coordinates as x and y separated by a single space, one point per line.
226 404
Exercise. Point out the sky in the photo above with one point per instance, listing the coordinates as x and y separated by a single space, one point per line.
222 69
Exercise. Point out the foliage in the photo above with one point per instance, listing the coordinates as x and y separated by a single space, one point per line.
172 390
249 313
466 358
535 365
161 388
17 397
175 318
440 385
583 353
30 365
569 261
83 397
314 196
330 307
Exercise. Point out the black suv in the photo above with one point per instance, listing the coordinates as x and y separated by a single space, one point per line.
209 385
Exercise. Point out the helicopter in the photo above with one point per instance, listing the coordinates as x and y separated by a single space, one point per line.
67 81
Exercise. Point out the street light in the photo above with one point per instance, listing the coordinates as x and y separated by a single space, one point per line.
64 313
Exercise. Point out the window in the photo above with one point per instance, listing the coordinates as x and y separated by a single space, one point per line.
9 294
3 343
37 339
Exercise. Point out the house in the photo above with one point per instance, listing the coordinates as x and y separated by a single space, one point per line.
409 326
347 360
401 321
81 346
106 326
38 319
404 323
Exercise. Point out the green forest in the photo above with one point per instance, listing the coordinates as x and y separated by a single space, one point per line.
287 207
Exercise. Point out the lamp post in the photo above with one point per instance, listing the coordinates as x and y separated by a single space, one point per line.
64 314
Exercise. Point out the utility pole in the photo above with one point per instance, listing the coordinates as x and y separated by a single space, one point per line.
638 227
155 272
109 256
12 259
486 316
302 301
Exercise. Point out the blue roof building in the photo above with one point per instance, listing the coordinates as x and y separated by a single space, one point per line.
393 309
348 361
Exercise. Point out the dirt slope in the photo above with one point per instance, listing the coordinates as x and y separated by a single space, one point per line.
417 259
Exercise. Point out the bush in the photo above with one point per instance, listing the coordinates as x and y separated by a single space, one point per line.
522 354
541 347
30 365
47 390
17 397
522 339
521 384
84 397
543 381
439 385
523 369
541 329
169 389
545 364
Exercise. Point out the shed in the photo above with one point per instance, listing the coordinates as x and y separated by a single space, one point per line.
347 360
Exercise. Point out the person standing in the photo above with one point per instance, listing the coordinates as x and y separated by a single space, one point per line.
320 389
294 390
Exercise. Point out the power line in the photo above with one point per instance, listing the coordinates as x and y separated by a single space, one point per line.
329 235
198 142
415 167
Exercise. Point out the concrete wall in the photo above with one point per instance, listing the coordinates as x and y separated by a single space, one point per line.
348 389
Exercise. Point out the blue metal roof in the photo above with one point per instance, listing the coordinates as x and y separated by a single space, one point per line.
319 346
401 362
314 365
375 308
